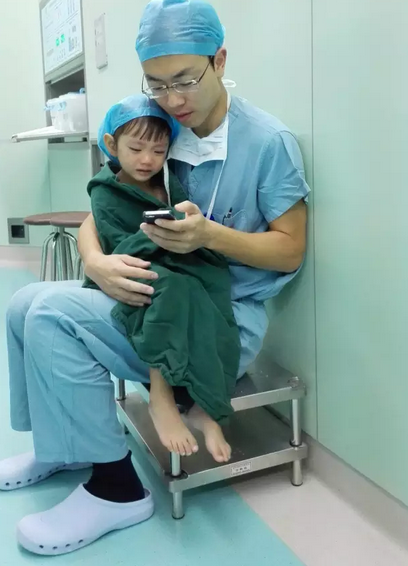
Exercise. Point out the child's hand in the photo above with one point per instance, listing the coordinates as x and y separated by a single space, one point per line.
180 236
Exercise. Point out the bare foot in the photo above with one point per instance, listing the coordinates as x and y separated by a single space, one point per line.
173 433
215 441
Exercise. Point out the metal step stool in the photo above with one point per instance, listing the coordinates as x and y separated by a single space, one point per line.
259 439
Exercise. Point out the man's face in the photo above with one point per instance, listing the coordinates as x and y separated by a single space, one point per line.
190 109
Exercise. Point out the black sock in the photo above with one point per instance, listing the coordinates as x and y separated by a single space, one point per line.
116 481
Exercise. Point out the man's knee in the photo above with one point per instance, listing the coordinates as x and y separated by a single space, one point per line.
21 303
52 302
68 302
26 303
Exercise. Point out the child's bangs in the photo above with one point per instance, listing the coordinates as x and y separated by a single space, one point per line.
148 128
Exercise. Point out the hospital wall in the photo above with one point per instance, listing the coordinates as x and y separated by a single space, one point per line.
70 170
24 182
335 73
360 93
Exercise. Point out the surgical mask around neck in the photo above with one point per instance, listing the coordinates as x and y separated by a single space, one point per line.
193 150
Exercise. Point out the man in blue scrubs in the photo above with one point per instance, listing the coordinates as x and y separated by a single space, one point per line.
243 173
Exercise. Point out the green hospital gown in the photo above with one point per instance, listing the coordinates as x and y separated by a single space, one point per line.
188 332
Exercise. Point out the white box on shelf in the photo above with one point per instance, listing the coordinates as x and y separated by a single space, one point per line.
73 112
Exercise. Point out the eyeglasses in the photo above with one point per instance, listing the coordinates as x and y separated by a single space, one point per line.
182 88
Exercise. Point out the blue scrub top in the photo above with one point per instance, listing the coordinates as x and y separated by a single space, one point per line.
263 178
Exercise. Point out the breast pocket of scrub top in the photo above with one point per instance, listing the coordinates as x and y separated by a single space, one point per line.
235 220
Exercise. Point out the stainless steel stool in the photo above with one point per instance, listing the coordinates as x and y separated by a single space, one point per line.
68 265
43 220
63 244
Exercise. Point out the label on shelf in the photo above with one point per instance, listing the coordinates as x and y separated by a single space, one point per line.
244 468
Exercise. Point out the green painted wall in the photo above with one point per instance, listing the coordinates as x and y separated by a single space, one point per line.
361 198
70 172
24 184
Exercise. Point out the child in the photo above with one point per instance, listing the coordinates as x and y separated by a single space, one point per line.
136 135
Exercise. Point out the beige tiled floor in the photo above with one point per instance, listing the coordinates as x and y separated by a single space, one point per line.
318 525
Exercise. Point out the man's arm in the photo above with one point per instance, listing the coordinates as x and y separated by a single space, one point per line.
281 248
88 240
281 190
114 273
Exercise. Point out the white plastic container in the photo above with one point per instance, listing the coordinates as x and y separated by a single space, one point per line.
73 112
63 118
53 107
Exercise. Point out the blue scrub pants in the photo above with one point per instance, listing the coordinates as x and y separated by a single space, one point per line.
63 346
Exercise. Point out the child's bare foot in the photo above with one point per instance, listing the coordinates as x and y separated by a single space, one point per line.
173 433
215 441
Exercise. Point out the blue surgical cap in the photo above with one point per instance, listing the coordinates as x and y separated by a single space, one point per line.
179 27
136 106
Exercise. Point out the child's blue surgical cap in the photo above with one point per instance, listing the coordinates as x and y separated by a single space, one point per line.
179 27
136 106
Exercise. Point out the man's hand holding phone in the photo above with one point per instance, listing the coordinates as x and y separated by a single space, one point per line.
180 236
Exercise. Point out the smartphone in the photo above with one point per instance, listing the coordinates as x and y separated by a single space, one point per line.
150 216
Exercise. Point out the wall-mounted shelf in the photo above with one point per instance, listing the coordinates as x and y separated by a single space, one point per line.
50 133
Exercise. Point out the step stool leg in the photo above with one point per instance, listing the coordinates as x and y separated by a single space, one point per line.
297 475
178 511
175 464
121 396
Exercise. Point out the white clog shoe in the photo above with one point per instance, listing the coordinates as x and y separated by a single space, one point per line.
78 521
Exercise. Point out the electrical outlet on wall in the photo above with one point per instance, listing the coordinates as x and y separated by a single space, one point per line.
18 232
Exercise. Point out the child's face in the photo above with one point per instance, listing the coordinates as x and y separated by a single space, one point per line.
141 159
